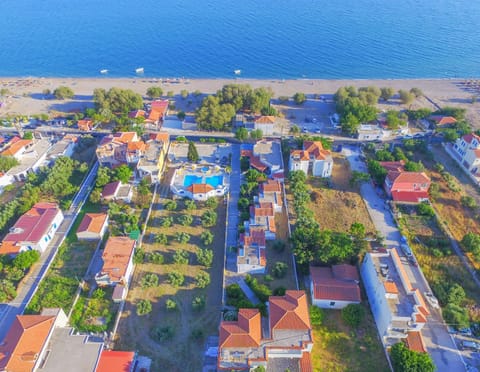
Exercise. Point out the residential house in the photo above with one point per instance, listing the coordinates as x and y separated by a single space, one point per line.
25 345
251 256
158 111
116 361
85 125
120 148
263 215
442 121
201 191
398 308
271 191
370 132
117 191
334 287
266 157
152 162
466 152
117 260
313 156
135 114
33 230
17 147
266 124
284 344
64 147
403 186
93 226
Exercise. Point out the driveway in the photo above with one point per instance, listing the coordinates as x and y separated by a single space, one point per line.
436 337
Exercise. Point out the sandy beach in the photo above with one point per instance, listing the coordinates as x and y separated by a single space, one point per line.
26 93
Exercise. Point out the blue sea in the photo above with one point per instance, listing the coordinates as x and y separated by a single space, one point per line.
262 38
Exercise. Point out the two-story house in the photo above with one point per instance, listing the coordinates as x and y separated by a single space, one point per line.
251 256
120 148
266 124
153 160
466 151
33 230
312 157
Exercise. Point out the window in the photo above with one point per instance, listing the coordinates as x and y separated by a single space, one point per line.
332 303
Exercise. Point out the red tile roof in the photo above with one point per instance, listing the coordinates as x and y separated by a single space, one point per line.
409 196
160 136
245 332
85 125
110 189
316 149
408 177
116 361
265 120
271 186
306 362
33 225
92 222
256 236
289 311
116 257
199 188
468 138
158 110
339 283
264 209
300 154
415 342
136 114
24 341
16 147
396 166
442 120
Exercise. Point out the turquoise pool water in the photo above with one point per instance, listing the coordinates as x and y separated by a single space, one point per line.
214 181
190 179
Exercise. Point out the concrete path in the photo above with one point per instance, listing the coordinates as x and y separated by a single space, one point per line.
437 339
9 311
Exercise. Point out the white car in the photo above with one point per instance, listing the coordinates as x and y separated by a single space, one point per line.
432 300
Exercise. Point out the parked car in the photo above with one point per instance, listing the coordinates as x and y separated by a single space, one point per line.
469 345
465 331
406 250
432 300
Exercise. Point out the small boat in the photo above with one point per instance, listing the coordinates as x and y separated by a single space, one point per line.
104 71
139 70
237 72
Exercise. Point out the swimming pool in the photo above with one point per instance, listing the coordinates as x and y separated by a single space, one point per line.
190 179
214 181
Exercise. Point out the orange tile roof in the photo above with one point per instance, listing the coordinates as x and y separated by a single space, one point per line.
390 287
265 120
423 306
160 136
415 342
339 283
302 155
116 361
24 342
15 147
443 120
116 257
256 236
85 124
136 146
245 332
396 166
136 114
408 177
199 188
306 362
125 137
271 186
92 222
289 311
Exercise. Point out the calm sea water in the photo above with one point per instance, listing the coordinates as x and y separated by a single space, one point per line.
262 38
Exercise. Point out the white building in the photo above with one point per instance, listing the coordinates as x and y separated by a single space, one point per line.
399 309
466 151
266 124
314 157
33 230
251 256
117 260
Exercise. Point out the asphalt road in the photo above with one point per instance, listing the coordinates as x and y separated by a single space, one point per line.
9 311
437 340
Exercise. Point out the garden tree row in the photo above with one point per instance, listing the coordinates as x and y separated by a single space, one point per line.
7 163
242 134
12 270
314 245
217 111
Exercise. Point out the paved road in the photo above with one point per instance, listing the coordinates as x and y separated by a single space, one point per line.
9 311
232 223
437 339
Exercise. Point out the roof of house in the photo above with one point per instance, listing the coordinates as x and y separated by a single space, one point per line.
33 224
316 149
300 154
289 311
111 189
256 235
442 120
415 342
264 209
390 287
271 186
160 136
92 222
24 342
158 110
136 114
409 196
408 177
136 146
116 257
85 124
199 188
468 138
396 166
244 332
16 147
338 283
115 361
265 119
306 362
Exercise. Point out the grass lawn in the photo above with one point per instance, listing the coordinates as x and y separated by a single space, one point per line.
338 348
181 350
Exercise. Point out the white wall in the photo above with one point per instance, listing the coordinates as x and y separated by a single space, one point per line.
322 168
252 269
295 165
44 241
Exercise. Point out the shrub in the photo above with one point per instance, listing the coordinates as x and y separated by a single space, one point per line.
280 269
139 256
180 257
190 204
207 237
456 315
185 220
171 304
202 279
471 242
469 202
182 237
353 315
209 218
212 203
171 205
406 360
162 334
166 222
205 257
425 209
161 238
260 290
279 291
63 92
198 303
176 278
316 315
24 260
156 258
149 280
144 307
299 98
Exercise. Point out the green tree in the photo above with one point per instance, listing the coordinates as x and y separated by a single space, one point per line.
171 304
411 166
190 204
154 92
456 316
103 176
406 97
213 115
468 201
353 315
24 260
182 237
149 280
116 100
185 220
417 92
63 92
357 230
395 119
425 209
28 135
316 315
256 134
170 205
279 270
144 307
456 295
198 303
184 93
123 173
202 279
241 134
7 163
299 98
209 218
377 171
386 93
211 203
206 237
406 360
156 258
176 278
471 242
205 257
181 115
450 135
192 154
294 129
